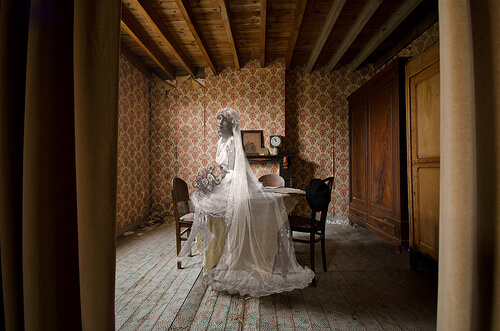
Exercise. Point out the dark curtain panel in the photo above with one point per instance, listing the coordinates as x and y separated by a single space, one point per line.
58 127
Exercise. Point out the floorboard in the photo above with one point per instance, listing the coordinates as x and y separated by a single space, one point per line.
368 286
236 315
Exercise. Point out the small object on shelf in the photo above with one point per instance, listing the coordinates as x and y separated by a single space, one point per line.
276 143
263 151
252 141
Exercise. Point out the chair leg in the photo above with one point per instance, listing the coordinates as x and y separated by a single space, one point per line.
323 251
312 260
178 241
311 250
188 233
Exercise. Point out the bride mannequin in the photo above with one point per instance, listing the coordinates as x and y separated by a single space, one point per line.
256 255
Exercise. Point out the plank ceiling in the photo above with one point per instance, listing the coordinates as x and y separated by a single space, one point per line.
178 37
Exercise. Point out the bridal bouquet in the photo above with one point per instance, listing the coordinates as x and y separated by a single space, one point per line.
206 180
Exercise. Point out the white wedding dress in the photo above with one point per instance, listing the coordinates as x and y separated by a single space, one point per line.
257 256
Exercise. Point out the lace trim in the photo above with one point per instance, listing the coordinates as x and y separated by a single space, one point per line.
240 281
229 146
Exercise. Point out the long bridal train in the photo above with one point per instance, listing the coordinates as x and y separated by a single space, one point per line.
246 243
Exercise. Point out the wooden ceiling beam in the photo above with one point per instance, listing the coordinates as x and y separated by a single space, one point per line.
135 60
154 20
356 27
132 30
193 26
417 30
396 18
330 20
297 23
227 24
263 23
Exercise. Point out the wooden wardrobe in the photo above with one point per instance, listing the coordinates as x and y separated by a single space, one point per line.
378 177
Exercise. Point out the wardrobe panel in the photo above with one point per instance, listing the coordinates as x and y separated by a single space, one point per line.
381 168
358 159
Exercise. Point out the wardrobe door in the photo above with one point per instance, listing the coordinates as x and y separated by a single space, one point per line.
382 132
425 160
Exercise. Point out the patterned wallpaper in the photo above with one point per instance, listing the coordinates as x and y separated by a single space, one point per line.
424 41
317 128
133 146
183 121
309 108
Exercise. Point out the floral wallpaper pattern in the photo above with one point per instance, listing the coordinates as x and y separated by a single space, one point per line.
166 134
424 41
317 128
183 122
133 146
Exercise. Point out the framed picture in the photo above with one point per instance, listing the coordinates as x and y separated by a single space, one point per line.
252 141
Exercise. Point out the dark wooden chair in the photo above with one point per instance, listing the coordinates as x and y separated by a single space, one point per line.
315 228
272 180
180 194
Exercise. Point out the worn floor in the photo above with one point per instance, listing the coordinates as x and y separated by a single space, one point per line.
368 286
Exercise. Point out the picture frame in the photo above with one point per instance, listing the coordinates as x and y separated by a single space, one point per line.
252 141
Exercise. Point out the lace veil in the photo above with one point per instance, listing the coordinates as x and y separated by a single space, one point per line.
256 218
258 257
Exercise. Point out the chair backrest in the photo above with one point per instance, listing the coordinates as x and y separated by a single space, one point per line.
329 182
180 193
272 180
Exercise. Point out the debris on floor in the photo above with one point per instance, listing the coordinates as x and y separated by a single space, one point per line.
153 219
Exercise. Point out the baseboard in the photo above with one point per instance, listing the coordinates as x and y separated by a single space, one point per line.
130 227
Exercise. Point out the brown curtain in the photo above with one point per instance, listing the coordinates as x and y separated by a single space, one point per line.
58 141
469 239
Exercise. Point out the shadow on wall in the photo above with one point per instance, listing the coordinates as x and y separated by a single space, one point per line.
303 170
307 172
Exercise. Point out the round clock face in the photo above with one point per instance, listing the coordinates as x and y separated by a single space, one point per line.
275 141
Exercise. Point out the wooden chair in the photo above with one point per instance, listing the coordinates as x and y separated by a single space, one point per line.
272 180
315 228
180 194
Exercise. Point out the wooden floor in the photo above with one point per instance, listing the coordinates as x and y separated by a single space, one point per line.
368 286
